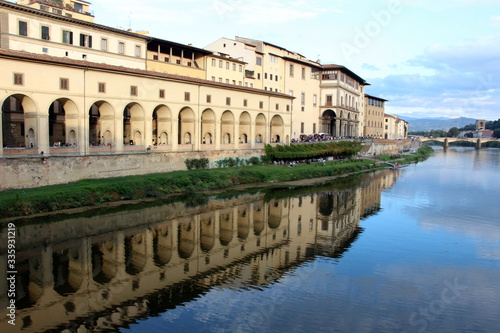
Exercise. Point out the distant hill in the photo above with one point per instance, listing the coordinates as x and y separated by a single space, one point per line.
438 123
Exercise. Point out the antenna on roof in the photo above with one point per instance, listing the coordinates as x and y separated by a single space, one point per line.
319 60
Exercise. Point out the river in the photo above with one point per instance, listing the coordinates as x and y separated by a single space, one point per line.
415 249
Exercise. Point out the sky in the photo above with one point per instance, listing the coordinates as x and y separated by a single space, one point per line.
428 58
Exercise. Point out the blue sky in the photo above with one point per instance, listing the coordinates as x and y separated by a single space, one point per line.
429 58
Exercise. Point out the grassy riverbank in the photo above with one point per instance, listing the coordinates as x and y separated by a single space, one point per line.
95 192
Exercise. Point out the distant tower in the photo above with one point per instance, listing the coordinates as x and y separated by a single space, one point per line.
480 125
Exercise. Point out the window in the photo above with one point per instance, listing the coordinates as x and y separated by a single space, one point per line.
270 76
155 57
261 105
315 100
133 90
303 98
258 61
265 76
241 68
273 58
78 7
85 40
101 87
187 96
288 107
209 98
314 128
303 73
277 107
67 37
290 92
23 28
137 50
214 62
291 70
276 78
220 63
45 32
228 100
220 80
302 128
258 76
213 78
104 45
227 65
18 79
64 84
121 47
234 67
329 100
227 81
161 93
245 102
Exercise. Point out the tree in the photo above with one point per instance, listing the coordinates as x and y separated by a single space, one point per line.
469 135
496 133
453 132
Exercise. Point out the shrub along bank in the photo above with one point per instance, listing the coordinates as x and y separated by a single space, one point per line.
95 192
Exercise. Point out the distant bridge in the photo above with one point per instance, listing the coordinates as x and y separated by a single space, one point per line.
477 141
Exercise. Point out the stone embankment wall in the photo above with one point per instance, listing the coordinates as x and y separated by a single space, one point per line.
17 173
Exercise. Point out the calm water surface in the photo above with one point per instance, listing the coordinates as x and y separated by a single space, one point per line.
409 250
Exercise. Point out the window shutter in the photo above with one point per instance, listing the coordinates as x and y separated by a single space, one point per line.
71 37
90 41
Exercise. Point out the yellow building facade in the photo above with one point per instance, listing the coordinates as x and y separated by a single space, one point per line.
374 117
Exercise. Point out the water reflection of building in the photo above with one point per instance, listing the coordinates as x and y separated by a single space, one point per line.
90 275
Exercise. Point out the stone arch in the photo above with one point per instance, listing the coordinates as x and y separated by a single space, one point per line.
63 120
186 126
227 127
245 124
16 124
277 129
133 122
260 128
162 125
329 122
101 120
207 127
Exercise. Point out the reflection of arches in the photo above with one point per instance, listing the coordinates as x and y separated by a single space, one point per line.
14 121
226 227
328 120
277 128
275 212
258 219
227 127
162 245
326 204
66 270
186 234
162 125
207 126
186 125
103 262
243 223
260 128
207 227
135 254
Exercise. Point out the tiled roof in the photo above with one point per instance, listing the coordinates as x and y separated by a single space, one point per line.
126 70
